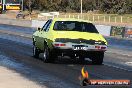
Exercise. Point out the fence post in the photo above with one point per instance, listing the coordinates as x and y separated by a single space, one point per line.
69 16
78 16
93 18
73 16
65 16
104 18
98 18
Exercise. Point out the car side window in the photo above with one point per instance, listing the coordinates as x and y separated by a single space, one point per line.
45 25
48 26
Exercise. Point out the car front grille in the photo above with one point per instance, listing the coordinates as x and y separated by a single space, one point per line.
78 41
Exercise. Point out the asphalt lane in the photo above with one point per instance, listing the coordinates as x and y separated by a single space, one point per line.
118 47
63 70
43 73
123 61
19 29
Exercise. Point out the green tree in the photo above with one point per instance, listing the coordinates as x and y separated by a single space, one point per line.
106 6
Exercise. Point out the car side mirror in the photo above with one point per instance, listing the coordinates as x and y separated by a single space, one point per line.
39 29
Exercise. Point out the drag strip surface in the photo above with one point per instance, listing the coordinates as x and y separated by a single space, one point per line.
63 71
19 29
16 54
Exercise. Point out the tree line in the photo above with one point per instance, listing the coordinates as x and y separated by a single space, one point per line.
105 6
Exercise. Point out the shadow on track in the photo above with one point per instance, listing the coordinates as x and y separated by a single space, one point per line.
69 61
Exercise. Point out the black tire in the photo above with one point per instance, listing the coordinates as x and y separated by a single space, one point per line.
47 55
35 52
97 58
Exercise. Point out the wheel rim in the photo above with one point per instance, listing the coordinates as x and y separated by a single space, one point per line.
45 55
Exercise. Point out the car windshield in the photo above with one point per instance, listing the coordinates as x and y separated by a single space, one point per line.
75 26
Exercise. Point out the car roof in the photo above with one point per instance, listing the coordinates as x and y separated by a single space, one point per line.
71 19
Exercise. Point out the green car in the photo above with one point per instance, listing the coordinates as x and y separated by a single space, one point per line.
75 38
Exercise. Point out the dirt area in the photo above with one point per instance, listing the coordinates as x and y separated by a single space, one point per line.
13 14
11 79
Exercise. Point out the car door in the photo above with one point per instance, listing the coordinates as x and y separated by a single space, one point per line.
43 34
39 35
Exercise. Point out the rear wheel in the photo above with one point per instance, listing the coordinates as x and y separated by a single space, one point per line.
47 55
97 58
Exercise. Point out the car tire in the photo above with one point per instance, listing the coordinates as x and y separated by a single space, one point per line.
35 52
97 58
47 55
